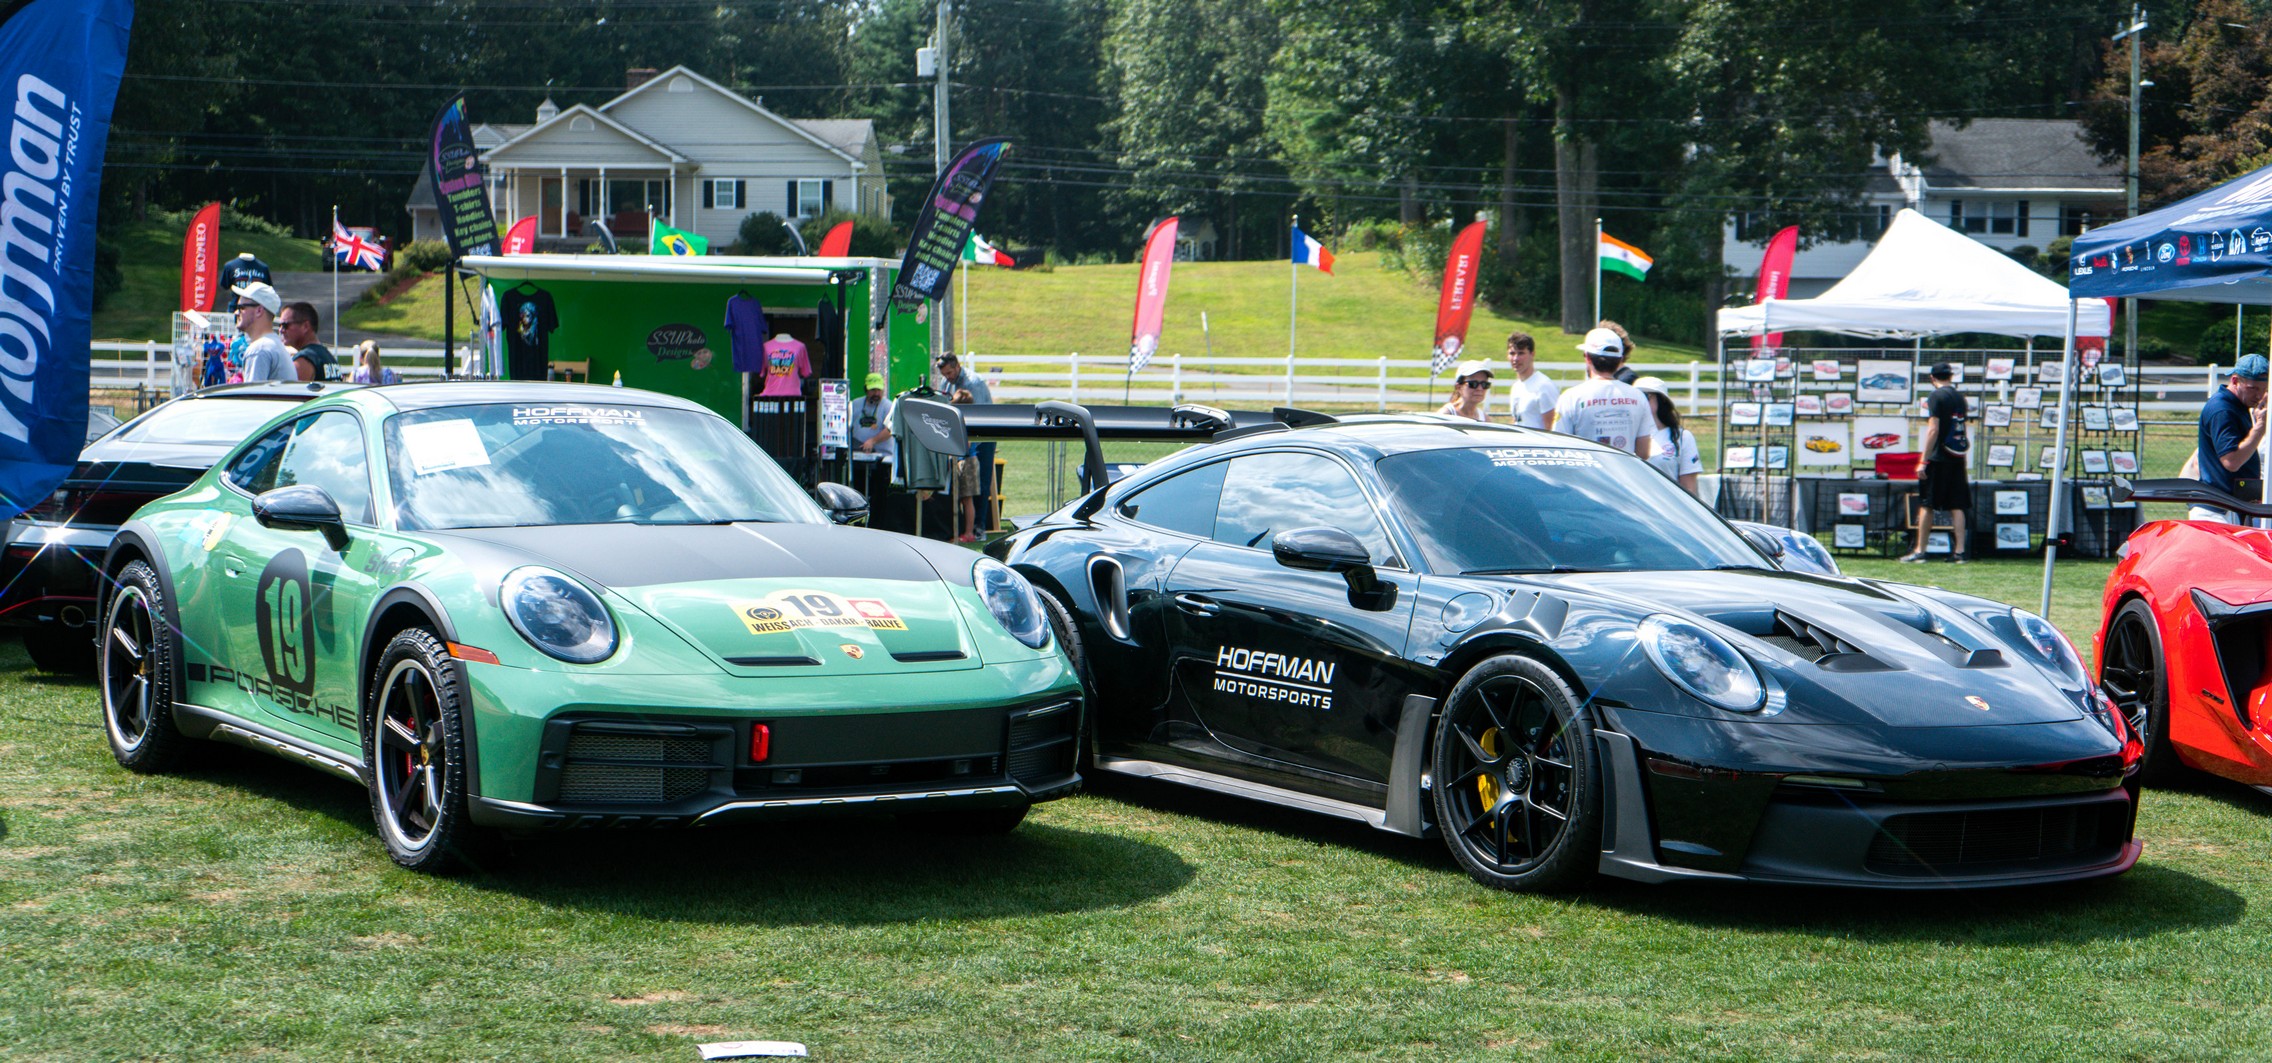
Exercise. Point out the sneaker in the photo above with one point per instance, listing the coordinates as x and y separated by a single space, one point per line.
1958 559
966 538
1912 559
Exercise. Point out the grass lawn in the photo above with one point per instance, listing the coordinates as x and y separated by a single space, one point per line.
417 312
245 908
151 261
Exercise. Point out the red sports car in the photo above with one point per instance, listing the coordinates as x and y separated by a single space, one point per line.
1880 441
2184 636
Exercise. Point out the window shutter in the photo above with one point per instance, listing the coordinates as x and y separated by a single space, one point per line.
2021 229
709 194
741 195
827 195
791 210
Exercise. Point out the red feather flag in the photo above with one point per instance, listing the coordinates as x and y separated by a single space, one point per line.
838 242
1775 279
201 259
521 238
1457 303
1152 291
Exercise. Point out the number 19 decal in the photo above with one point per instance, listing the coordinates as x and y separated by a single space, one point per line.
285 624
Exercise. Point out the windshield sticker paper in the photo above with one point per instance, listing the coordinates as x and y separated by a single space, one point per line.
792 610
1512 458
528 416
1303 681
435 446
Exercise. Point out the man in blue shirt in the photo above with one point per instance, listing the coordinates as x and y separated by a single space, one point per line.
2232 426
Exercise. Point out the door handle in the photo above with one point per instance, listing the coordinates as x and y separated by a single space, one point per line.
232 566
1197 605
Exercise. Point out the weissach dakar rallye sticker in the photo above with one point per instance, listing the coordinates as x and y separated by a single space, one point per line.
790 610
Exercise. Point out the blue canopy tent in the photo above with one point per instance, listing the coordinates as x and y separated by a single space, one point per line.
2215 247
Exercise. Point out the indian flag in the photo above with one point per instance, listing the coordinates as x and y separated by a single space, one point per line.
977 250
1617 256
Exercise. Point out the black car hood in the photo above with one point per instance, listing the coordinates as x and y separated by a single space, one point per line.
1849 652
633 555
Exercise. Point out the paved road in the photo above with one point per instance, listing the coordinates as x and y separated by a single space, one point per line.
316 288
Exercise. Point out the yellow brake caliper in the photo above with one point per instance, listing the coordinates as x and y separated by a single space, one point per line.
1487 784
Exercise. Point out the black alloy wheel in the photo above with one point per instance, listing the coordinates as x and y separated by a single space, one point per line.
1068 635
414 745
62 650
134 671
1516 780
2134 677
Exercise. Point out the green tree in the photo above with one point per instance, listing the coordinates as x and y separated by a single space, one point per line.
1187 79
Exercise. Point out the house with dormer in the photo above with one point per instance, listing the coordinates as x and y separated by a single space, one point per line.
675 147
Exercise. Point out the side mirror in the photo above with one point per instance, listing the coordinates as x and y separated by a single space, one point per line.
1323 549
1767 542
844 505
302 507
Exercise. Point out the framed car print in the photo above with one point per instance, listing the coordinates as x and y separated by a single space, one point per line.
2094 462
1996 416
2124 462
2095 419
2001 455
2112 375
1883 381
2012 536
2027 398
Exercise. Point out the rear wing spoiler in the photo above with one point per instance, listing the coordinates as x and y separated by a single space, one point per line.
1092 425
2190 492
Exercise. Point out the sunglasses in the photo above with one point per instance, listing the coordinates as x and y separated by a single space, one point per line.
248 306
1475 383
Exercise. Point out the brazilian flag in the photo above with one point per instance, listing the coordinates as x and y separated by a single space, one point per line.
669 241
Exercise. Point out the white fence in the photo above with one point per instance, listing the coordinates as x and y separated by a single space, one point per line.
1381 383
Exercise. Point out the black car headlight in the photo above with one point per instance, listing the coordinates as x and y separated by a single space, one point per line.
2048 644
1012 601
558 615
1702 663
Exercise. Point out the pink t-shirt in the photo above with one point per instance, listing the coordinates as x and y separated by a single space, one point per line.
786 367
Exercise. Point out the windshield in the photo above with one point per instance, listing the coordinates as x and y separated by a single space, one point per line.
1554 509
214 422
522 464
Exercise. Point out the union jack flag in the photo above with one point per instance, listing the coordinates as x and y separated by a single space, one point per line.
354 252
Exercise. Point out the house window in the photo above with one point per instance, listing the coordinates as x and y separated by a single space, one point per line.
621 196
809 199
1995 217
724 195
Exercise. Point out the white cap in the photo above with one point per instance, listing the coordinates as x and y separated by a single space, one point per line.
1602 343
1652 383
263 294
1470 368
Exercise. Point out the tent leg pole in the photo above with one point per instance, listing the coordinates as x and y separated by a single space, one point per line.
2058 463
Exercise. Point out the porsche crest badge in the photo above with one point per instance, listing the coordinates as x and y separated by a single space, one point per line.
855 652
1976 701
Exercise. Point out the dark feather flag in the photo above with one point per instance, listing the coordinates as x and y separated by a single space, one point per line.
461 189
60 60
934 246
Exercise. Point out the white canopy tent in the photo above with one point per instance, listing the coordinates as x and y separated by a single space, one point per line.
1926 279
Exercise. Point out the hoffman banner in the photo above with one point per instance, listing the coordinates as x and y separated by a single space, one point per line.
461 189
60 61
1457 303
935 245
201 259
1152 291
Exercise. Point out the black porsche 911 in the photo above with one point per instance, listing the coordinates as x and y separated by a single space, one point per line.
1552 656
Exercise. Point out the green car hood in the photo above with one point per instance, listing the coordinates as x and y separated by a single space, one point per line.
774 599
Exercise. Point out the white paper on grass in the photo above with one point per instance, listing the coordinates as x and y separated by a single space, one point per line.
434 446
752 1050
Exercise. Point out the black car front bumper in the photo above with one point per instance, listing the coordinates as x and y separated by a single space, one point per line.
50 573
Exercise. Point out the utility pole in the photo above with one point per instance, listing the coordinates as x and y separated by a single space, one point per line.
2136 28
942 141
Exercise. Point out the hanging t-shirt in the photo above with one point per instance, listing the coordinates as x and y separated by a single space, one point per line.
919 467
529 321
746 329
786 367
492 365
235 273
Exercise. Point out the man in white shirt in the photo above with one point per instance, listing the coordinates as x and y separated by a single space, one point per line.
1603 408
265 355
1530 395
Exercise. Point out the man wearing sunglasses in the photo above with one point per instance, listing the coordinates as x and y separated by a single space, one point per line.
311 360
265 356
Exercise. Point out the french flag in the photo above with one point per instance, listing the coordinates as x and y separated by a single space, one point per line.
1308 252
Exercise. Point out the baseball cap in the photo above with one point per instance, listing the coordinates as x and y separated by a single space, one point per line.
1602 343
1943 371
2251 366
1652 383
1470 367
266 296
875 382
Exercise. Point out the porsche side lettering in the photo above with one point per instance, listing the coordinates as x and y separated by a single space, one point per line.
283 697
1274 677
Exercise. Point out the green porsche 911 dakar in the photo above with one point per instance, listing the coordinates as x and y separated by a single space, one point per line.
551 605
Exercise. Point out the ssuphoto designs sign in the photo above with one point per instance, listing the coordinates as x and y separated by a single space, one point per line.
60 62
461 191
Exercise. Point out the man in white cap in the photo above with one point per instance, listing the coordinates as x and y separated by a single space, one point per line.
265 355
1604 408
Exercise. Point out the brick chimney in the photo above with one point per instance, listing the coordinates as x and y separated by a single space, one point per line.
637 76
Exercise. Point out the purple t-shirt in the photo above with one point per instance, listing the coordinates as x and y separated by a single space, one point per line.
746 328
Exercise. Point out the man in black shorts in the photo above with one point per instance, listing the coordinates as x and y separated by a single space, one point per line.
1941 482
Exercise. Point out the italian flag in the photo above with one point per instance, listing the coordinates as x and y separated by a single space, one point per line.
1617 256
985 254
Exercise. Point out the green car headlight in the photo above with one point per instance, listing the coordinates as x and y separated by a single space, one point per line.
1702 663
1012 601
558 615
